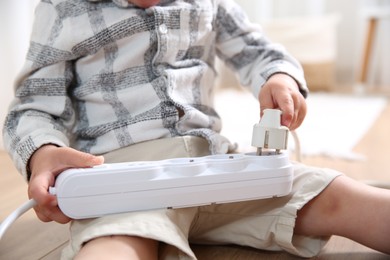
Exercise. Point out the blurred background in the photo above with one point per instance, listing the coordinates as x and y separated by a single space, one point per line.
331 39
339 30
344 49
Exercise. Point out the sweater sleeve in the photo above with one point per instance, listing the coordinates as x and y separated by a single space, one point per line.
41 112
244 48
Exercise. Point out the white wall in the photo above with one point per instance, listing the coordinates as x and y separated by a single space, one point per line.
15 27
350 34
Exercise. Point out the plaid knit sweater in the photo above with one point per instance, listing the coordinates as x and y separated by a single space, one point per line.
103 74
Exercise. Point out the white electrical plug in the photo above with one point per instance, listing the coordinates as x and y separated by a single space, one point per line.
269 133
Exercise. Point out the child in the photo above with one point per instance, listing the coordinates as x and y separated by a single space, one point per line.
133 80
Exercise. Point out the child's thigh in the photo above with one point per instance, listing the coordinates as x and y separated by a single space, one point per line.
266 223
160 149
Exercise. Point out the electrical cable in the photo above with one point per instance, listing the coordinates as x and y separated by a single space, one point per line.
297 148
15 215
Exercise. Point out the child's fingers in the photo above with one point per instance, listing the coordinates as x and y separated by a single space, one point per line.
73 158
46 208
51 213
285 103
281 100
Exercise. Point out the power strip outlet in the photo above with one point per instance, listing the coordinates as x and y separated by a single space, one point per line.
174 183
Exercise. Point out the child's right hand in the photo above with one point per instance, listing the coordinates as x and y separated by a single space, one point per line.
45 164
282 92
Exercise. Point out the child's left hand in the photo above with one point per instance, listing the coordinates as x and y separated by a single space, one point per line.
282 92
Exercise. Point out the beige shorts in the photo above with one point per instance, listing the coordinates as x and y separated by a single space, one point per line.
265 224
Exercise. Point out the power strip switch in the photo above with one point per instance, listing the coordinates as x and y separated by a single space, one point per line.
269 133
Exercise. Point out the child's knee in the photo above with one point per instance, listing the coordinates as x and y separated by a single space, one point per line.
119 247
318 216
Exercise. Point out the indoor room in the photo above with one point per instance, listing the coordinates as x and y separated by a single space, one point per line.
343 47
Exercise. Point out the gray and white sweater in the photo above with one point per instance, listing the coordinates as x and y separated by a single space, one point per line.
101 75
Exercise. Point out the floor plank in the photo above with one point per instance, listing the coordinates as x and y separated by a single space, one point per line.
374 146
338 248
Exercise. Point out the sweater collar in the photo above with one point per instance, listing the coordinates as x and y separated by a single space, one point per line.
121 3
125 3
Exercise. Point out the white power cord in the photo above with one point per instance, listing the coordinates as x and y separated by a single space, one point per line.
297 148
15 215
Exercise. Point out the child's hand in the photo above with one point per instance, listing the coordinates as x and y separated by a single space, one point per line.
45 164
282 92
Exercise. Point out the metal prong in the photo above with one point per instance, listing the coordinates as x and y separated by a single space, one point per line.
266 139
277 151
259 151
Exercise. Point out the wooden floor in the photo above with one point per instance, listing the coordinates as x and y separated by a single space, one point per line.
30 239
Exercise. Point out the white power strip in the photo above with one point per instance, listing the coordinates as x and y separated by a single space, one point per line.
174 183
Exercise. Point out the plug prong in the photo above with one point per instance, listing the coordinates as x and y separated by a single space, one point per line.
259 151
266 139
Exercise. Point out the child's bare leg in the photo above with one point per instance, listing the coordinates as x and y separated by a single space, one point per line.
119 247
350 209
